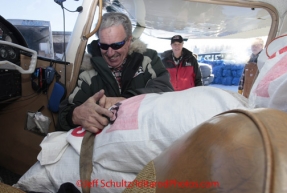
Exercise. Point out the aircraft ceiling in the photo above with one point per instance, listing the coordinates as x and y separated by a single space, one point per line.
164 18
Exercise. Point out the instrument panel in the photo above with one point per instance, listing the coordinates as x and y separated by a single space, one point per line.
7 52
10 80
4 36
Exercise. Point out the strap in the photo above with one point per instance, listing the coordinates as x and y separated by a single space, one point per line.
271 55
86 159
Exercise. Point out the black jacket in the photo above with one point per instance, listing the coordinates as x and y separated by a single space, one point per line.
143 72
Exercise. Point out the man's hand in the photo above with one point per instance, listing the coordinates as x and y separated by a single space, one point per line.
90 115
107 102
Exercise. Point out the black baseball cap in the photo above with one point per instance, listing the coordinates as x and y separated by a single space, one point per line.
176 38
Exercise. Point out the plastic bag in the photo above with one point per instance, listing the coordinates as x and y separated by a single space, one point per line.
37 123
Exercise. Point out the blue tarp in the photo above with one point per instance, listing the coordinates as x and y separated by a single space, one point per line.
226 73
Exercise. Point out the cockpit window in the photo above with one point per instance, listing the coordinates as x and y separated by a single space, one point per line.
42 30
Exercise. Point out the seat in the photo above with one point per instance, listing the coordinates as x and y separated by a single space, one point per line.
250 74
236 151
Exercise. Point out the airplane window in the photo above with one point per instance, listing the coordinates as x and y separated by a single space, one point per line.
36 33
41 29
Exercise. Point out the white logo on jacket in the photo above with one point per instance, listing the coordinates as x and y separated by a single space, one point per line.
187 64
140 71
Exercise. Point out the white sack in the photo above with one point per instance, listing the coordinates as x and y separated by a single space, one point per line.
270 88
145 126
53 146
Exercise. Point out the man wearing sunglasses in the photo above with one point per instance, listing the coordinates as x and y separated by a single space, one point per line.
120 68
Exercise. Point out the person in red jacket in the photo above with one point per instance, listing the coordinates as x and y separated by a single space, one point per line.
182 66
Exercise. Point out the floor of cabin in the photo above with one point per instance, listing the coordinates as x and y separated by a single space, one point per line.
8 177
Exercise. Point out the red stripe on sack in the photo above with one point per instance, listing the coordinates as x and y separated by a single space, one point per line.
282 50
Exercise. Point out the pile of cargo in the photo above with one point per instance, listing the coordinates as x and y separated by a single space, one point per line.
226 72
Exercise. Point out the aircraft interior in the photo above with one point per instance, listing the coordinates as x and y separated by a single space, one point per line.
234 143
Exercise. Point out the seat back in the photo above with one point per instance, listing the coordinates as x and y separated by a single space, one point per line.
251 72
237 151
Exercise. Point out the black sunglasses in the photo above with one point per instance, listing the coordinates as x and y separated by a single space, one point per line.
114 46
